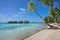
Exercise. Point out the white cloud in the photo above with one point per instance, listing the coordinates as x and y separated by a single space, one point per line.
22 9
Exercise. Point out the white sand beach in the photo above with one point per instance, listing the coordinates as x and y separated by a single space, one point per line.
46 34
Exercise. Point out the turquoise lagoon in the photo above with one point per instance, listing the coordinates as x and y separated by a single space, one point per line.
18 31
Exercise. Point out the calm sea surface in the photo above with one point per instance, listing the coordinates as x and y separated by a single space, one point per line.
18 31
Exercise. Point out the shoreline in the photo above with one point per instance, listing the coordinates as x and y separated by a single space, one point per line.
32 34
46 34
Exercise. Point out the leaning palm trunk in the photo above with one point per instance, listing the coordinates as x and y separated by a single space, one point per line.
43 19
31 7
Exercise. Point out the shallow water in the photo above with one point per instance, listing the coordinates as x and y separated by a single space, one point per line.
18 31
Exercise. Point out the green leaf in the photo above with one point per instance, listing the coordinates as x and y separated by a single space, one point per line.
31 6
52 14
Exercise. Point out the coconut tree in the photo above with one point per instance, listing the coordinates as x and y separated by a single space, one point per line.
47 2
57 10
33 8
50 4
49 19
52 13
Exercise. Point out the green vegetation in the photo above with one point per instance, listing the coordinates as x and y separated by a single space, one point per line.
53 11
49 19
26 21
12 22
18 21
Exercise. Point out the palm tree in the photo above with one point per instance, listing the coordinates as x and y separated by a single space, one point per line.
49 19
57 11
54 12
50 3
47 2
32 7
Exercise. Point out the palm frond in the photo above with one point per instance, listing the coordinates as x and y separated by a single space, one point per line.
31 6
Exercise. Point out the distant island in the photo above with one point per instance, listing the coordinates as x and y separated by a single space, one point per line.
18 21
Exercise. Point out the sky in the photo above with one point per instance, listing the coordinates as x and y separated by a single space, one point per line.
17 10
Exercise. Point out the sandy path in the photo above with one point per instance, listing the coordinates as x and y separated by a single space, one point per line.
47 34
